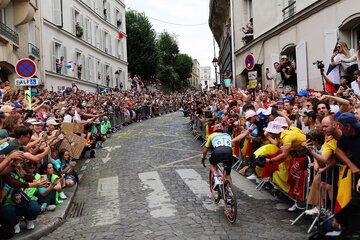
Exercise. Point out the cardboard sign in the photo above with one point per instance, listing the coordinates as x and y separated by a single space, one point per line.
74 144
72 128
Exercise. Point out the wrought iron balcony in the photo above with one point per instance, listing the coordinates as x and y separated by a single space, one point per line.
9 33
34 50
289 11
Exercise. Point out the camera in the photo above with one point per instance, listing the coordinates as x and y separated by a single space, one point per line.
319 64
208 114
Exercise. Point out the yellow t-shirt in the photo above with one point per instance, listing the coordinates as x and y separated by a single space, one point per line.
329 146
293 137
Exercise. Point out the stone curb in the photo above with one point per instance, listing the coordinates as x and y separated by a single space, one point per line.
48 222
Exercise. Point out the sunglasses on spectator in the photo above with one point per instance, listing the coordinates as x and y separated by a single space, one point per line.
321 108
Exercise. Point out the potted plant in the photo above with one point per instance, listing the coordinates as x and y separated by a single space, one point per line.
79 30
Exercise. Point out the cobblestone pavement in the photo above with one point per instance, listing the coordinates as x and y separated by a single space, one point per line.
148 183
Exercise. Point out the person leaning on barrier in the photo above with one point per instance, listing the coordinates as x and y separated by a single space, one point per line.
348 147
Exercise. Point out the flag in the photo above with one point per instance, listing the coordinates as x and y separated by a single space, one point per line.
344 188
333 73
121 35
291 177
69 65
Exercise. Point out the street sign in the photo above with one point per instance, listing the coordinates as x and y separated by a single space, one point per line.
249 62
25 68
26 82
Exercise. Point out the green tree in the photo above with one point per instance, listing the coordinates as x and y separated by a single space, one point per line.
183 67
169 78
168 48
141 43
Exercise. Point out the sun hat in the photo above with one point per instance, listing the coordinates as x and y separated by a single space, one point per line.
274 127
349 118
51 121
249 114
281 121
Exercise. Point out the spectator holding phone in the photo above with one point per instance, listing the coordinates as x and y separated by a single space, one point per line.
49 197
65 167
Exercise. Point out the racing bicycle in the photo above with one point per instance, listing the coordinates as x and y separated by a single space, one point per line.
225 191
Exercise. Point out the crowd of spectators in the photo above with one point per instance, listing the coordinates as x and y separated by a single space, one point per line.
35 165
275 132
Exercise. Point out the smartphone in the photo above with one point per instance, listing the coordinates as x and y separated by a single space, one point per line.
43 177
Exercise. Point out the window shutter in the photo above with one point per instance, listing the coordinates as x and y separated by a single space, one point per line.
57 12
330 37
53 57
108 12
301 66
83 65
64 53
73 21
110 46
111 77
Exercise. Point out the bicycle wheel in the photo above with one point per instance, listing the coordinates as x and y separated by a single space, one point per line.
230 202
215 194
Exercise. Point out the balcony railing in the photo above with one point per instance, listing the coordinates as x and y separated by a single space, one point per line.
34 50
9 33
289 11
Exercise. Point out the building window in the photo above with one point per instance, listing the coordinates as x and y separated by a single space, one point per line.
356 37
58 58
289 9
77 23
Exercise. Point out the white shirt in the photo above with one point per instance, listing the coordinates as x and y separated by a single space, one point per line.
355 88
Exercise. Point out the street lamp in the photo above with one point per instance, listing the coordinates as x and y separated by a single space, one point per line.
215 64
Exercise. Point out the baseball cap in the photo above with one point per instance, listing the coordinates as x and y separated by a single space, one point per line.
349 118
302 93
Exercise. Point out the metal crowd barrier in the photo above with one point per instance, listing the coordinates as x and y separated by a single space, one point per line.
325 204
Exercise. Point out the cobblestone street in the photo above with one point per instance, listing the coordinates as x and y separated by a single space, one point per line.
148 183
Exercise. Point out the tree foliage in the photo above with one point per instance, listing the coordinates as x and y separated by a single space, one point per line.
183 66
168 48
174 68
141 43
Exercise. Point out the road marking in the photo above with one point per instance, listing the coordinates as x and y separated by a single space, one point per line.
178 161
107 158
248 187
198 186
83 168
158 199
109 209
110 149
87 161
178 149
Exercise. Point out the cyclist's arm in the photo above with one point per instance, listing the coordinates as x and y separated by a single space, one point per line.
204 152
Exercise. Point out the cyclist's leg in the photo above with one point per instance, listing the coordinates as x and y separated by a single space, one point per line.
227 170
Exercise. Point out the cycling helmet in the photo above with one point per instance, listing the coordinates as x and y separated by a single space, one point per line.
218 128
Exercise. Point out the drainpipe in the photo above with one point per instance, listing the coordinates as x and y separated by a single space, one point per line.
232 42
